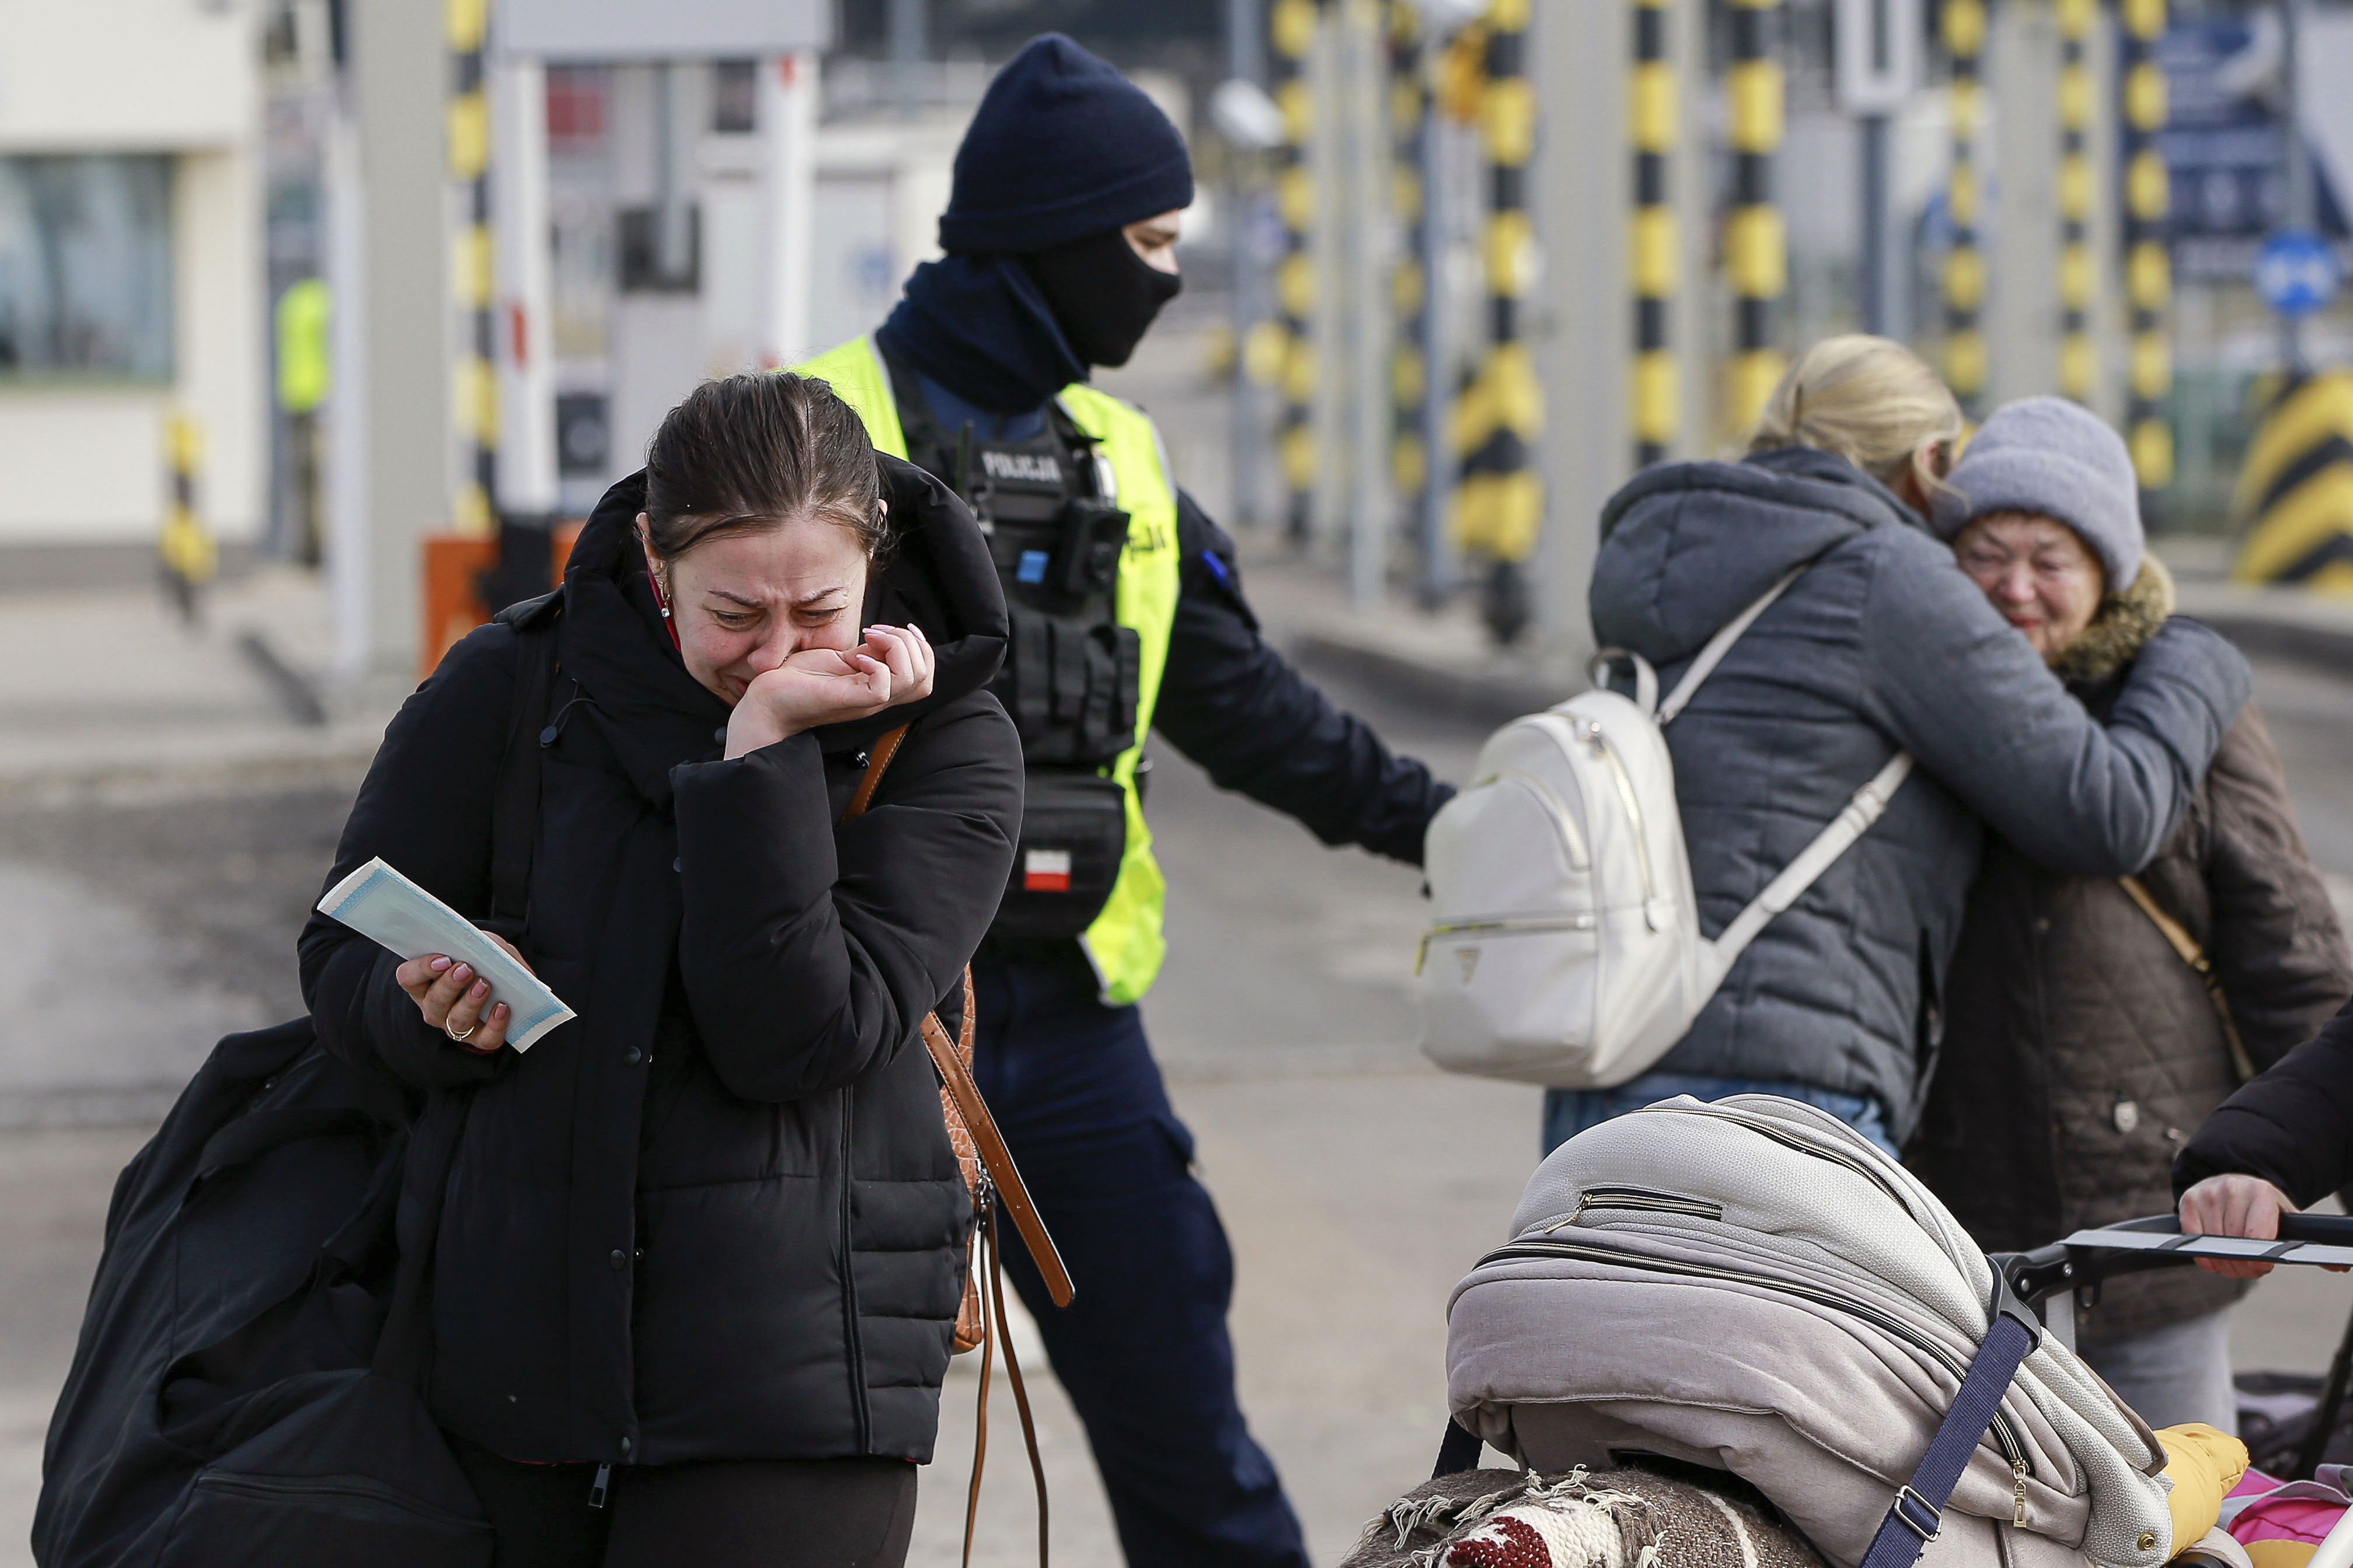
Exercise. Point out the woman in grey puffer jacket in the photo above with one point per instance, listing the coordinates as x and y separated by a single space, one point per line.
1882 644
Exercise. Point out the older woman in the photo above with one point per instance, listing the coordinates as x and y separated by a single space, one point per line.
2080 1048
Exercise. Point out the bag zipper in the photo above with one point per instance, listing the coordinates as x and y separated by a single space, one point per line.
1530 1248
1504 923
337 1486
1642 1200
1590 730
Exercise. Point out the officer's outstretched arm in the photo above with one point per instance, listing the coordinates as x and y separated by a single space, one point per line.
1241 711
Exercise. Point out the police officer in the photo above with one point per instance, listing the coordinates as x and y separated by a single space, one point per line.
1128 617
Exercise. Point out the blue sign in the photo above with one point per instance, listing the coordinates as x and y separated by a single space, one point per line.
2295 273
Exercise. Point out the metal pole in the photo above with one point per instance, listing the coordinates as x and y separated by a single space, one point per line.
2301 215
1755 246
1245 61
1293 33
2148 266
2078 366
1369 187
1965 272
474 277
1651 124
1875 274
911 46
1410 363
1500 506
1437 361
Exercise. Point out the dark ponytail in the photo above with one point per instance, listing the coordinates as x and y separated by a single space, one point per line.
752 452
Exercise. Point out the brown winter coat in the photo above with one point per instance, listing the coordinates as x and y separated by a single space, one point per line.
2080 1051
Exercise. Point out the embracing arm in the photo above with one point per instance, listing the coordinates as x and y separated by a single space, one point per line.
426 809
1957 686
1244 712
2275 938
811 952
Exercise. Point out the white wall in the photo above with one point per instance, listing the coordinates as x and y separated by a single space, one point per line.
86 464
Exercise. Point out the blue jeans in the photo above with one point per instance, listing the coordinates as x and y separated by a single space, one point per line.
1142 1349
1569 1111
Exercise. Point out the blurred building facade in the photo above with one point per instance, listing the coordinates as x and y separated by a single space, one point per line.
132 275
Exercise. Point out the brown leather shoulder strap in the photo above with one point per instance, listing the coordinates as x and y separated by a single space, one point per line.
998 1159
2178 938
878 758
948 1057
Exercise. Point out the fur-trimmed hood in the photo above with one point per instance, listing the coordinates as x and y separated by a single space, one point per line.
2121 629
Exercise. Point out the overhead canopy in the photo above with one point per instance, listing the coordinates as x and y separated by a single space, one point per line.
661 29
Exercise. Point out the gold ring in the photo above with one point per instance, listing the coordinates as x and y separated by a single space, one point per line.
454 1035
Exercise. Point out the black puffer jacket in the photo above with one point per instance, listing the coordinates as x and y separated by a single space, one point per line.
2293 1126
1883 644
2080 1050
718 1216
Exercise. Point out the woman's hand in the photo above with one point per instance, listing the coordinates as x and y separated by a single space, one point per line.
2234 1205
456 1001
827 686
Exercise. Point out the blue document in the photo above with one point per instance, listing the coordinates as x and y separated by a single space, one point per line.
381 904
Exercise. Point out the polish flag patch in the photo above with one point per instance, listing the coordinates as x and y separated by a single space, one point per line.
1046 871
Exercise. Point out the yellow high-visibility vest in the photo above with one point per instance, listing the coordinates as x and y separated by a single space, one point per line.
1126 942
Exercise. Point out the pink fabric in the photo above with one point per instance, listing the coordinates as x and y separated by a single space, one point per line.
2307 1519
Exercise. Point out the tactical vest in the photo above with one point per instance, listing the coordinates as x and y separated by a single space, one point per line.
1091 617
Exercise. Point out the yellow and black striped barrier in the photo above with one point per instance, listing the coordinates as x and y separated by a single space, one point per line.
474 395
2295 497
185 547
1651 112
1499 504
2078 365
2148 267
1963 30
1409 368
1292 31
1755 243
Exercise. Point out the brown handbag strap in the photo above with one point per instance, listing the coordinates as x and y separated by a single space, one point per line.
995 1157
2183 944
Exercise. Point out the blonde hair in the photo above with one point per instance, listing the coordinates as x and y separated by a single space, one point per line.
1871 400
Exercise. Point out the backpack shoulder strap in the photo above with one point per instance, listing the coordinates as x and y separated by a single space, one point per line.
1854 819
1721 644
514 810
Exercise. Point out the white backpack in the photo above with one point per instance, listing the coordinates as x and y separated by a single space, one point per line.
1566 949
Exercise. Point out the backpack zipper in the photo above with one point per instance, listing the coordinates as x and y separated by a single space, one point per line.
1641 1200
1506 923
1532 1248
1590 730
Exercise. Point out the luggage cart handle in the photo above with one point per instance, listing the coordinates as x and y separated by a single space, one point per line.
2136 1245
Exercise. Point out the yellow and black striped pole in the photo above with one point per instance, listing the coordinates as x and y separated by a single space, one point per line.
1409 358
1964 26
1755 244
474 392
1651 126
2078 366
1292 30
185 547
2148 266
1499 506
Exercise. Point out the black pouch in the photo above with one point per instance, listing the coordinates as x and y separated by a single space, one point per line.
1072 688
1073 834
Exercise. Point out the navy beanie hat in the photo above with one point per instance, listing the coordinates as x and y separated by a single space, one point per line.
1062 147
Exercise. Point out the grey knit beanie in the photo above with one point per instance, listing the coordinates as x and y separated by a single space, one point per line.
2049 456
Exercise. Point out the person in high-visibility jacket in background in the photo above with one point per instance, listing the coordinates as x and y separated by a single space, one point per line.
1128 619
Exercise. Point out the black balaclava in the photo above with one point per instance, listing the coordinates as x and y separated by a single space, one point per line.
1103 295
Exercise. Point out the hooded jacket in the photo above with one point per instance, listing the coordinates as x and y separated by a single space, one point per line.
717 1215
1882 643
2081 1051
